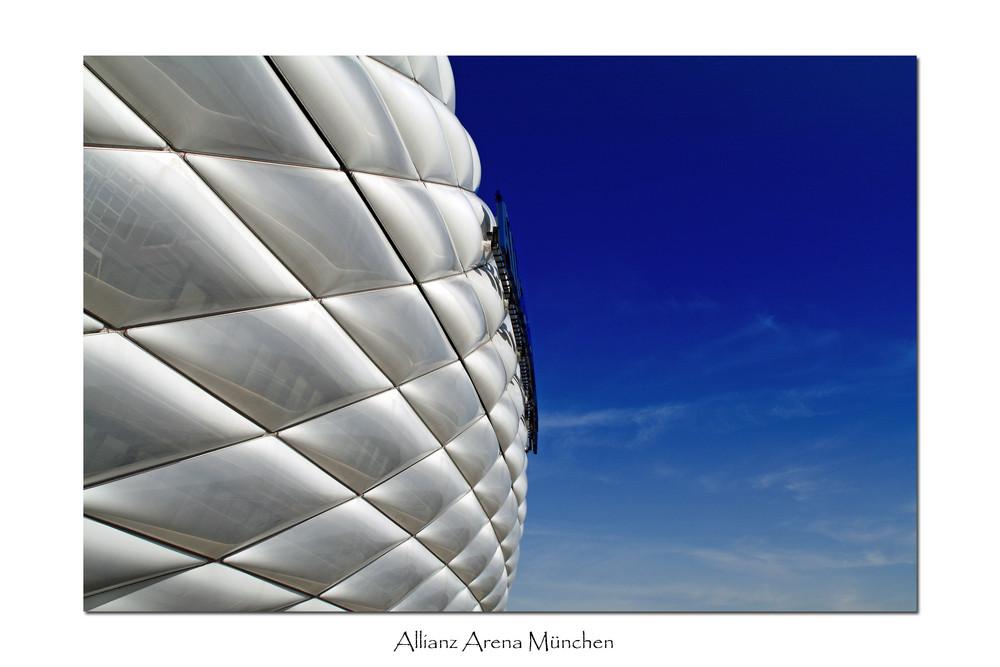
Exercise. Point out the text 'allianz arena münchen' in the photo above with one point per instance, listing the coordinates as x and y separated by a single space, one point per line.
308 382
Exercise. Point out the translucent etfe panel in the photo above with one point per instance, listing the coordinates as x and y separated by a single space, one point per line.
115 558
313 219
323 550
379 586
221 105
462 220
520 487
522 511
445 399
91 325
488 373
521 438
517 461
508 354
502 604
497 595
434 594
411 219
213 587
447 82
483 213
313 605
364 443
419 494
474 559
279 365
342 100
463 602
399 63
138 412
494 487
512 560
516 394
217 501
486 283
493 575
107 121
458 145
505 518
505 419
411 110
509 546
158 244
425 71
456 305
477 170
475 450
396 328
451 532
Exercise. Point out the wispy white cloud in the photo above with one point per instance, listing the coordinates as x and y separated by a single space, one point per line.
774 561
802 482
576 570
802 401
898 529
718 413
763 339
717 482
662 471
640 416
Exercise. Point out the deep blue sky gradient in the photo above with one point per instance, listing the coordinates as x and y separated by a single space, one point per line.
720 265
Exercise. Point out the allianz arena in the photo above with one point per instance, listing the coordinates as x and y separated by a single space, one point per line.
308 376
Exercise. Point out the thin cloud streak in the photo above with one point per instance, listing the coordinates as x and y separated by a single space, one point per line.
615 417
604 572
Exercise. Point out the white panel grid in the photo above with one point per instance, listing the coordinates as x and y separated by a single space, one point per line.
283 232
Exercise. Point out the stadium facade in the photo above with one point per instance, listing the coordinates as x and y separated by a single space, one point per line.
308 381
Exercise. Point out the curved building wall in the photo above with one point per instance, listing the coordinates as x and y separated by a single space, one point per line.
302 390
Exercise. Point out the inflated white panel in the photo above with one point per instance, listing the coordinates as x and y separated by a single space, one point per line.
365 443
456 305
418 123
409 215
298 359
445 399
340 97
107 121
396 328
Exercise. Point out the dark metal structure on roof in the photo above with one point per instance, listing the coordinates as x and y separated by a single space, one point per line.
506 259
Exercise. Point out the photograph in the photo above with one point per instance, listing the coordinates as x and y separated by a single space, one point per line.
500 333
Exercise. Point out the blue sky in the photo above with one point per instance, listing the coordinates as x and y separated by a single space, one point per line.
719 257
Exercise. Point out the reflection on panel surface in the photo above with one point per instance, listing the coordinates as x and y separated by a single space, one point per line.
223 105
364 443
107 121
138 412
419 127
212 587
323 550
388 580
342 99
281 364
114 558
158 244
455 303
300 377
312 219
445 400
396 328
213 503
416 496
414 224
